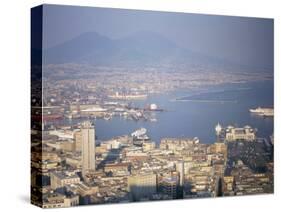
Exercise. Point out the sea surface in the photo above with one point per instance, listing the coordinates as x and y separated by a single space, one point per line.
195 113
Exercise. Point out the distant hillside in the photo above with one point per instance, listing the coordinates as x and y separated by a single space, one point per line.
143 48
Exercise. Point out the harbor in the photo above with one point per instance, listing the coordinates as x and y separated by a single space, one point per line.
180 119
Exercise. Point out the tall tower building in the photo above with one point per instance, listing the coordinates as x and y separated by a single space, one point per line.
88 148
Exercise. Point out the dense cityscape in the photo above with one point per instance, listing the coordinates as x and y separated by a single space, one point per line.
133 105
75 168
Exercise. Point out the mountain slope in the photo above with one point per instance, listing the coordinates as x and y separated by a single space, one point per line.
141 48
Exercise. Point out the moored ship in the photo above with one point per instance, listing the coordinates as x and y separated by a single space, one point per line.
140 134
262 111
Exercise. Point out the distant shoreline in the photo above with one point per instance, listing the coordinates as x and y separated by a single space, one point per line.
204 101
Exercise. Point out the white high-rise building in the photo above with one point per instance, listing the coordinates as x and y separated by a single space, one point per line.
88 148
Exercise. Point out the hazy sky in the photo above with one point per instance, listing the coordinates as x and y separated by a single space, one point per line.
247 41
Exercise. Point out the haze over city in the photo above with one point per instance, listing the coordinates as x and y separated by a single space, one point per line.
241 40
132 106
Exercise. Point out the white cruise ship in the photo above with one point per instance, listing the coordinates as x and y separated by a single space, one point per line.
138 133
263 111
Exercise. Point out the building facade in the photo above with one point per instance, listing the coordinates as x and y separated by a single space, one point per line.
88 148
245 133
61 179
142 186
